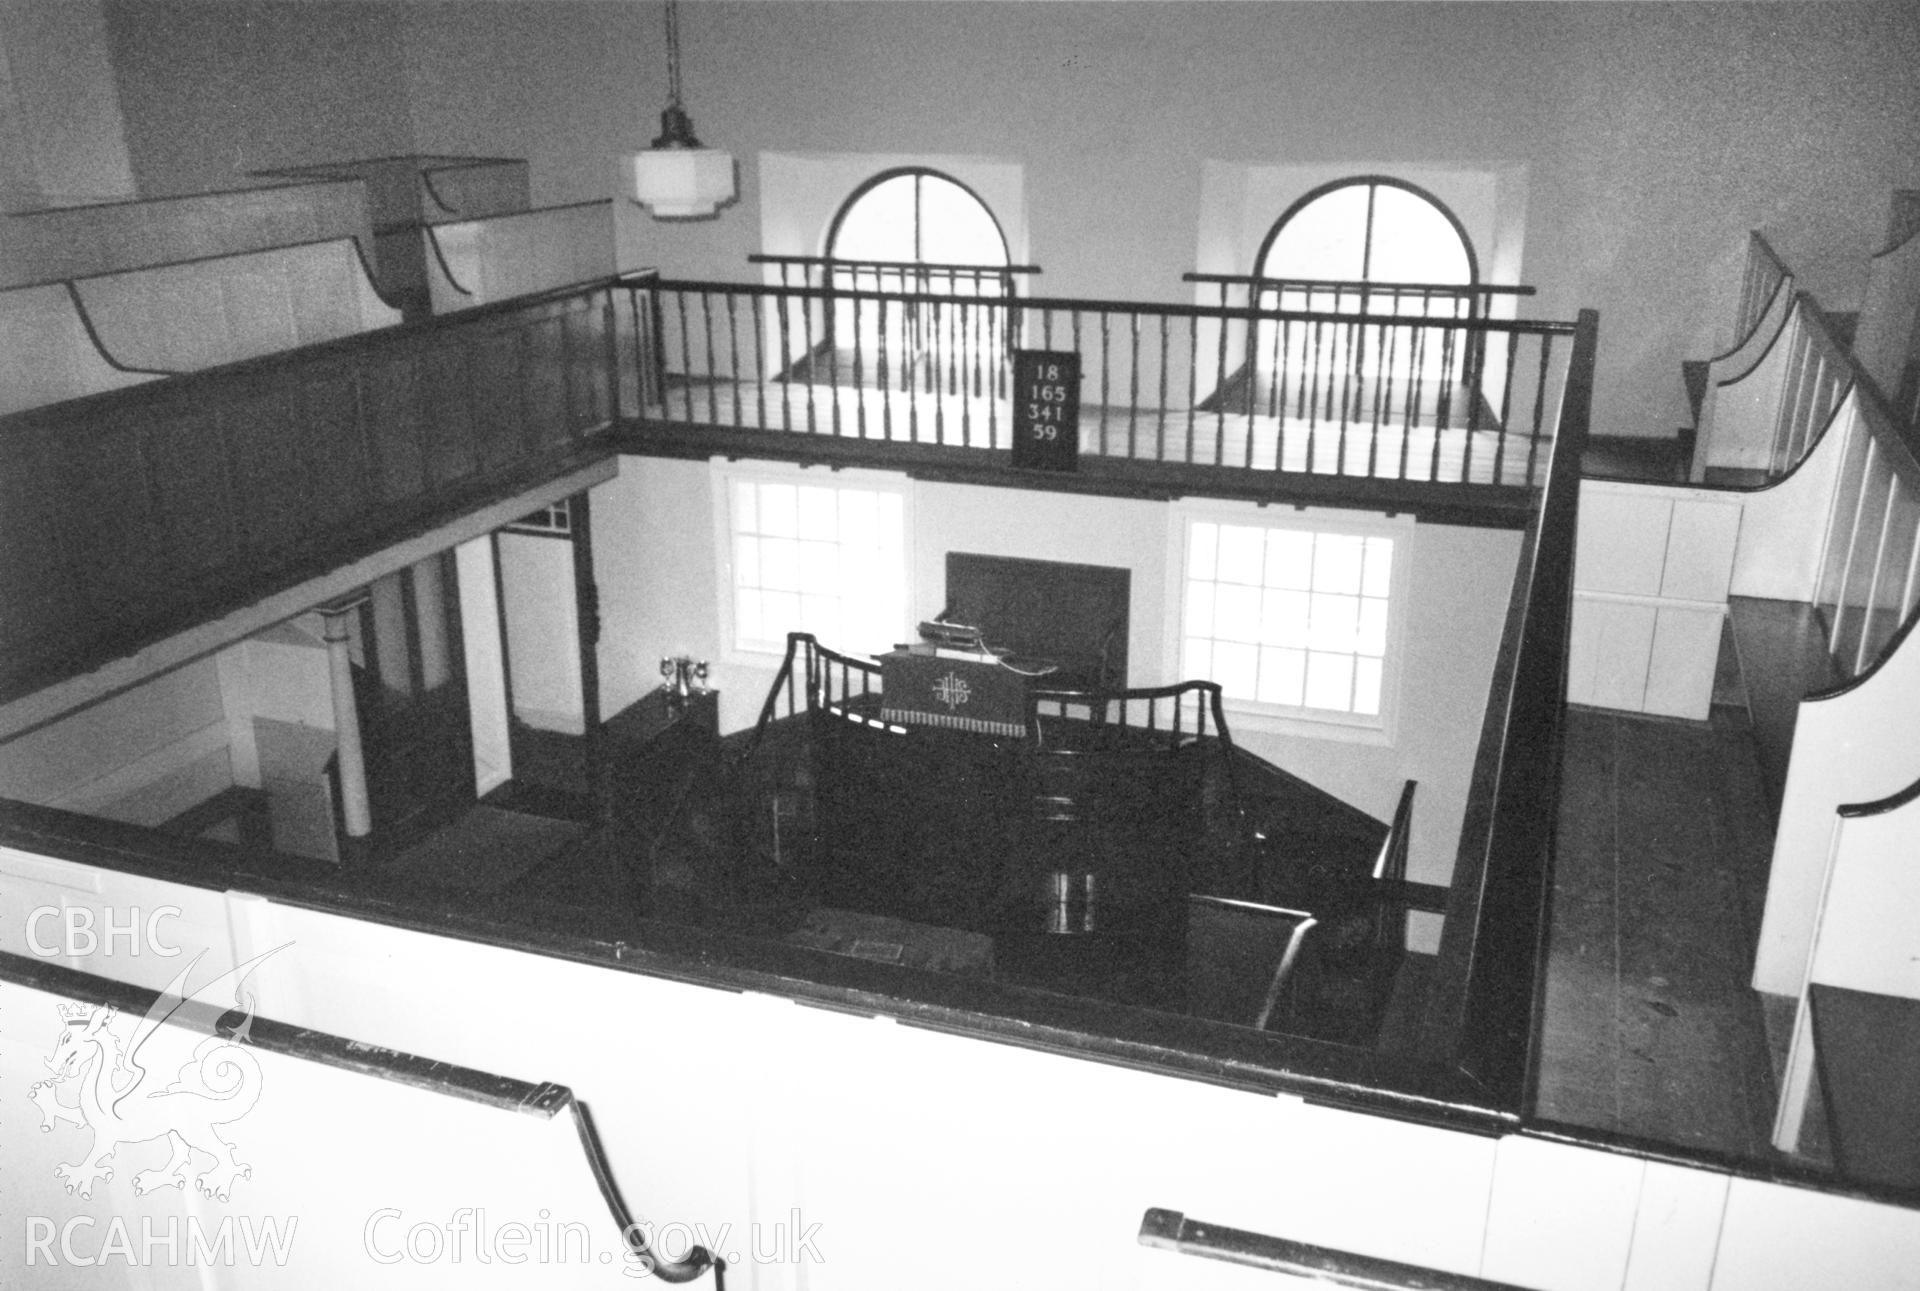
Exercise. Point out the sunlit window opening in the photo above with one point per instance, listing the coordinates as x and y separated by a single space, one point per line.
917 216
820 559
1288 618
1368 230
918 233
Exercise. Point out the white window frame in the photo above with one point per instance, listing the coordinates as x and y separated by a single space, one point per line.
722 475
1313 723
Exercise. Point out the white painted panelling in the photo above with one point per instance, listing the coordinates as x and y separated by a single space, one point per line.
45 353
1783 526
1725 367
1157 1268
137 739
1668 553
1854 746
1869 934
1622 540
518 254
183 317
170 922
900 1142
1561 1216
1789 1239
1746 407
1676 1231
1681 661
1866 937
393 1157
1608 655
1700 546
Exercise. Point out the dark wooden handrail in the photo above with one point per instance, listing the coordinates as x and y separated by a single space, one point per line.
930 266
1491 966
1169 1230
1360 285
1069 304
543 1099
1762 276
1392 864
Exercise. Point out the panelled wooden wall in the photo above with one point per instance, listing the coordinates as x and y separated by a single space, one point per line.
130 514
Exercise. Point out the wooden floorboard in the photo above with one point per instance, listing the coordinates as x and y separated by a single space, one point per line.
1651 1029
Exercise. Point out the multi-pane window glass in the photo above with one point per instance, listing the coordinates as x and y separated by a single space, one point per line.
1288 617
918 216
1368 231
815 558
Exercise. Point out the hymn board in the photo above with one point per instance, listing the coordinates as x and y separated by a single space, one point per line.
1046 410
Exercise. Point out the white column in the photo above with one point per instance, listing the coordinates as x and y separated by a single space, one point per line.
486 665
346 716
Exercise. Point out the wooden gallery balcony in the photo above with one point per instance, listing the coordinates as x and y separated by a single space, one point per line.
132 514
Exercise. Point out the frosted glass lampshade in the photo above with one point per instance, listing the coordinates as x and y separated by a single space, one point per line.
680 183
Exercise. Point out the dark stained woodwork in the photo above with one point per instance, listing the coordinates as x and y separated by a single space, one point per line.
132 514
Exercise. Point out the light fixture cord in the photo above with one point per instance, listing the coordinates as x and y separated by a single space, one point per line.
673 52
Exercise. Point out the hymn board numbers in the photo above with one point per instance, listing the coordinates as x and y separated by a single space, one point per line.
1046 410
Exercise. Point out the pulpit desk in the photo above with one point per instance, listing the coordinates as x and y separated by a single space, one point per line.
921 689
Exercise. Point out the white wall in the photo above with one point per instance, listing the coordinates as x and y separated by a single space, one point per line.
543 631
394 1156
142 756
783 1111
62 139
1652 138
802 192
656 567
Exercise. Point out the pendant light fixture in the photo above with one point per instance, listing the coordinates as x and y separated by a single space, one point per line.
676 178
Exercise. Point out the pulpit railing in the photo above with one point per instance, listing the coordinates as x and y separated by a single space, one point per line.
1174 715
812 679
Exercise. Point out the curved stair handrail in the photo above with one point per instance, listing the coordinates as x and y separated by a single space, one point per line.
1766 416
1766 279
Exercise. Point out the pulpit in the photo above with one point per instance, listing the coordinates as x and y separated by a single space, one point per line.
929 689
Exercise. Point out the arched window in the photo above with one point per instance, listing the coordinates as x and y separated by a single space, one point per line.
917 216
1322 256
1369 229
918 232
